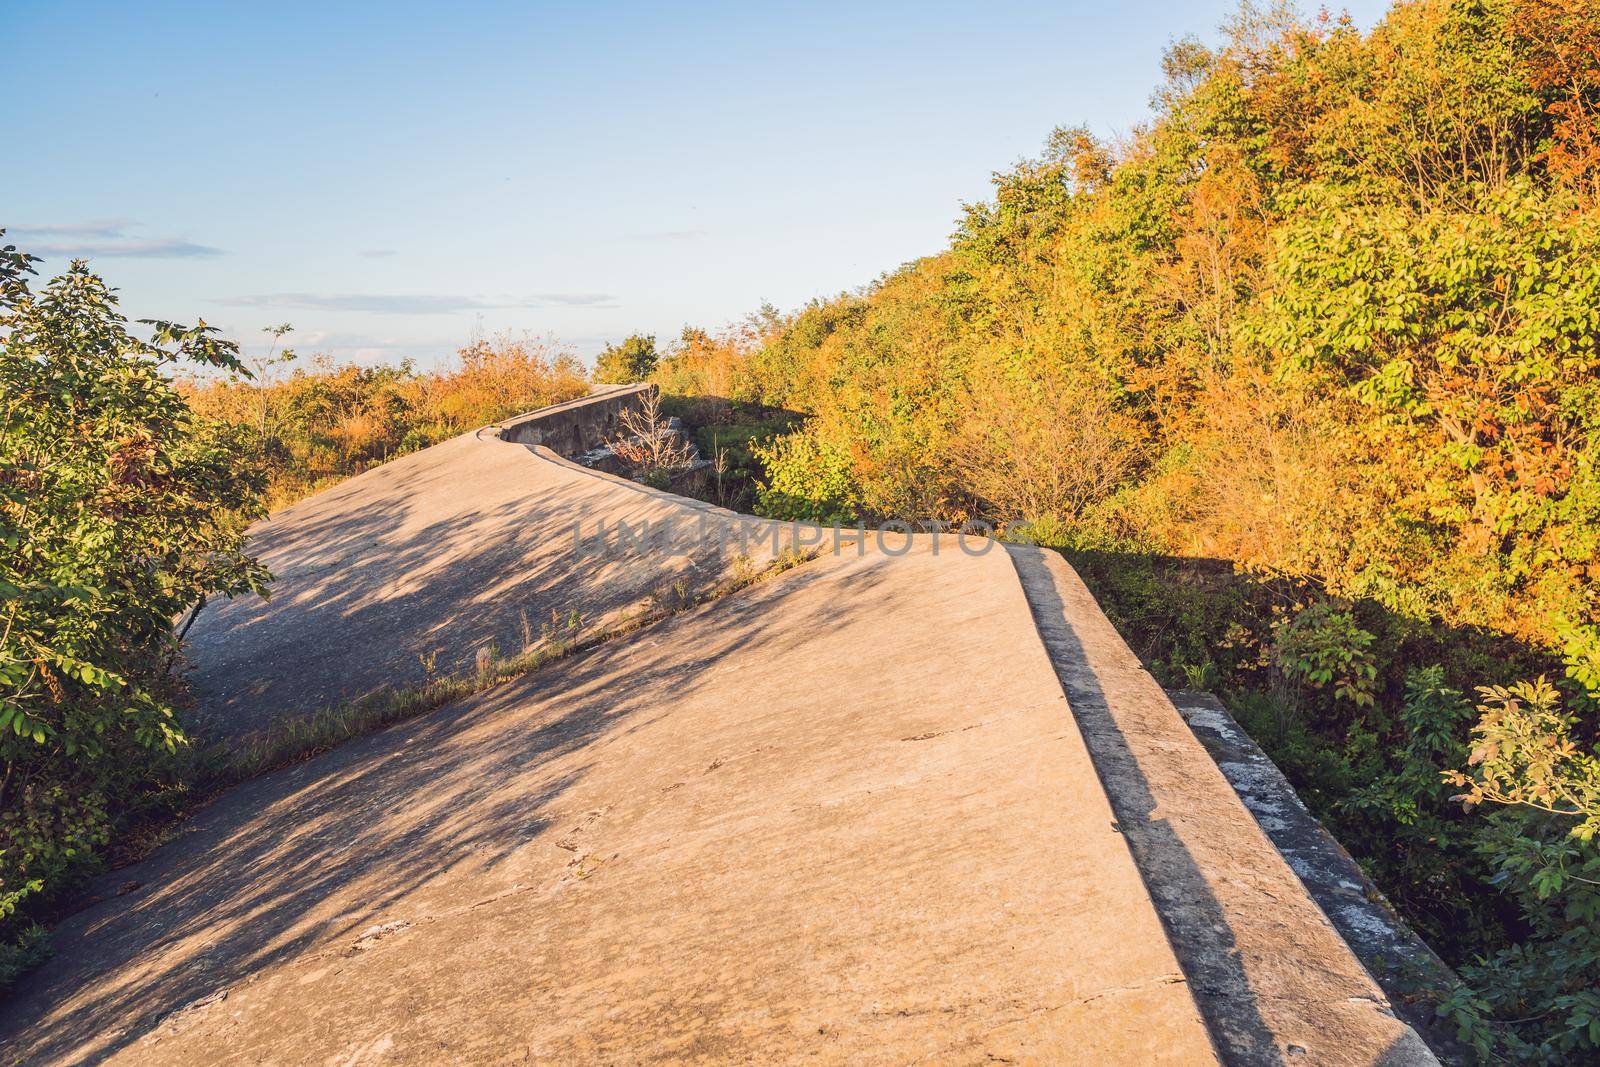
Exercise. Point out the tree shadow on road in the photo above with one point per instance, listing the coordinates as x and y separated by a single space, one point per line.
460 800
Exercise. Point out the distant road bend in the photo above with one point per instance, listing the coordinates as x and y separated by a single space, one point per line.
876 809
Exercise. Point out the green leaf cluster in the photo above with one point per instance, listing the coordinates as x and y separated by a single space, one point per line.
120 513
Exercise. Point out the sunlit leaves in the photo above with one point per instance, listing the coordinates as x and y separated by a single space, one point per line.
119 511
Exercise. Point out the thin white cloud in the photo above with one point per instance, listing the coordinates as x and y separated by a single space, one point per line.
574 300
378 253
153 248
101 238
314 340
97 228
415 303
668 235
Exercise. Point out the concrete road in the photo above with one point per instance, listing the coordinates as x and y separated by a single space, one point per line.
845 815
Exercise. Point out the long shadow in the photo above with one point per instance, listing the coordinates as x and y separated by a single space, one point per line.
1197 925
412 569
300 860
1203 613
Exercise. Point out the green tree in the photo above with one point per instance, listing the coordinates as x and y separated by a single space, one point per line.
1543 845
1330 316
120 511
632 361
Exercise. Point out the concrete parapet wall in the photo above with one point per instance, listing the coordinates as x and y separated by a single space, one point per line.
578 426
1274 978
1401 962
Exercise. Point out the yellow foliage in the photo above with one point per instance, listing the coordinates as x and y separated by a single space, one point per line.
327 422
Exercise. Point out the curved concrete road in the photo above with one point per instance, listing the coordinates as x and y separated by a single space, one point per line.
845 815
436 555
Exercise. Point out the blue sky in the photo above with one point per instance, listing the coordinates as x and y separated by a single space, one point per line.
389 177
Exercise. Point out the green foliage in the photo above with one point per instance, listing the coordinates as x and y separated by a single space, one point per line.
1201 677
1546 857
1471 335
1413 792
1305 377
27 947
729 435
805 482
632 361
1523 754
120 511
1323 647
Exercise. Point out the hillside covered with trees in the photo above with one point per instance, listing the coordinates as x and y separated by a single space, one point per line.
1305 377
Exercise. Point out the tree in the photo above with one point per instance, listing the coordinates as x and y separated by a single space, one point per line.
120 511
631 361
264 370
650 444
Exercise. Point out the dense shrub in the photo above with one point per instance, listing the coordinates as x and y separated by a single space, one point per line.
1333 320
630 361
120 511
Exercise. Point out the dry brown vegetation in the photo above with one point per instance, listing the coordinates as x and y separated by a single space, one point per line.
325 421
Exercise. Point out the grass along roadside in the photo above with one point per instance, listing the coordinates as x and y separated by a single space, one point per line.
201 773
222 764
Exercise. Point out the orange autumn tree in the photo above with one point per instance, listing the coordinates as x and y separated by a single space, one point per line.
1329 318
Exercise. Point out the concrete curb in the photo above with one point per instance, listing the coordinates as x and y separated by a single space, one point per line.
1274 979
1400 961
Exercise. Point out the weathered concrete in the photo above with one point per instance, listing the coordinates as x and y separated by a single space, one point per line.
1273 978
578 426
843 816
437 554
1405 967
